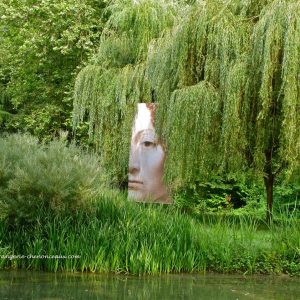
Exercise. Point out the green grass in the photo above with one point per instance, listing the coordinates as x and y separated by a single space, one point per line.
124 237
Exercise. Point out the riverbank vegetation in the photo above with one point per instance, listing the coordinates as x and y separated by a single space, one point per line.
225 78
55 201
124 237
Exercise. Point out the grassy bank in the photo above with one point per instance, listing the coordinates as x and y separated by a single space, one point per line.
120 236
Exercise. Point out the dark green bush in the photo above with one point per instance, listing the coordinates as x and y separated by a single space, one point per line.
54 177
220 194
287 198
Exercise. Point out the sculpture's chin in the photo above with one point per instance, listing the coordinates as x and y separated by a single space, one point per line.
139 196
135 195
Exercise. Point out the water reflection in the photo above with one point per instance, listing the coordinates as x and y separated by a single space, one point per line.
39 285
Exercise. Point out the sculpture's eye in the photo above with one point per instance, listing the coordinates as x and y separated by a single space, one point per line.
148 144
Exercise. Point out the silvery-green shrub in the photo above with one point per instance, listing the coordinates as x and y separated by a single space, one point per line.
54 177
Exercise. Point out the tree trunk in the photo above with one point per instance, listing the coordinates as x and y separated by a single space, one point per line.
269 182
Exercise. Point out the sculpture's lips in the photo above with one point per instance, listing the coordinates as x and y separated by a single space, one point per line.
135 181
134 184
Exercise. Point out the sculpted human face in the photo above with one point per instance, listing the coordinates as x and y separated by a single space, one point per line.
146 163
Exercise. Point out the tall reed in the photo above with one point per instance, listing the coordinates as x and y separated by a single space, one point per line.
124 237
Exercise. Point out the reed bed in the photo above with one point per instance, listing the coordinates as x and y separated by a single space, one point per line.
124 237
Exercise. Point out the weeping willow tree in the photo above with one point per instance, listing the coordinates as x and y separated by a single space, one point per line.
230 100
274 93
107 90
225 75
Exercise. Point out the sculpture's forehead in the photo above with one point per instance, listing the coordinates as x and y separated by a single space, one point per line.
151 107
144 119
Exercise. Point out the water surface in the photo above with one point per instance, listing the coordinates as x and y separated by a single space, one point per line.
40 285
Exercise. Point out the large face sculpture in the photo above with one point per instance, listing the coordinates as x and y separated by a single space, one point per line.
146 162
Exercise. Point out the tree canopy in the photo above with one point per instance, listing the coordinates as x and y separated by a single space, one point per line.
225 76
43 45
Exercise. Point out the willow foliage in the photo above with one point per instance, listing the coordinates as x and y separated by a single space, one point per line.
248 8
107 90
203 101
207 50
225 75
274 83
254 69
109 97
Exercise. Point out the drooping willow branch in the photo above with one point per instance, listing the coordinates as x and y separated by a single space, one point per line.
226 78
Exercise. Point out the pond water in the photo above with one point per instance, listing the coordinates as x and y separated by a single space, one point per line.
39 285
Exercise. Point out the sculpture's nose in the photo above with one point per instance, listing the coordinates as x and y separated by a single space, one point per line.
133 170
134 164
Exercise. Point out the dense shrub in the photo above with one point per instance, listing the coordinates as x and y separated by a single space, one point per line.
220 194
54 177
